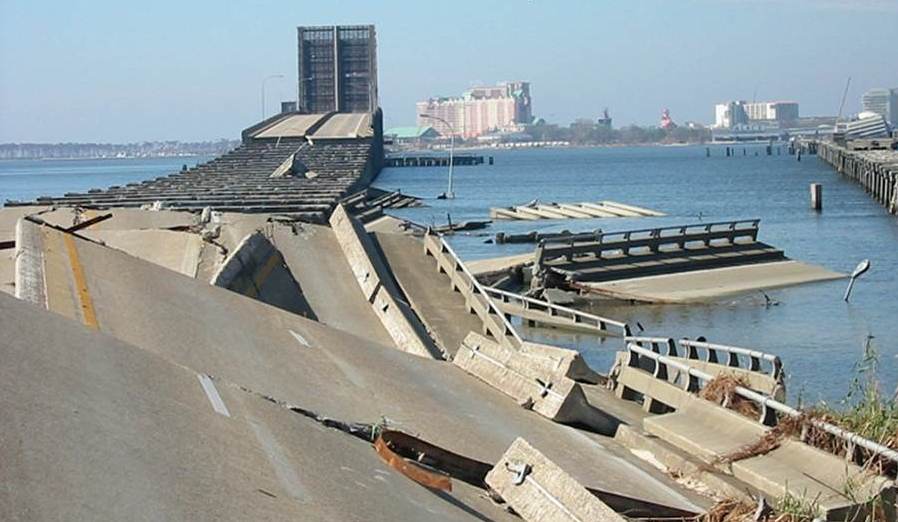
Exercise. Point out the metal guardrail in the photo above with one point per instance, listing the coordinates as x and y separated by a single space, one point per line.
651 238
769 408
576 317
436 245
732 356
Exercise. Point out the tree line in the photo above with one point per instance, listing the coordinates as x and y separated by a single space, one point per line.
586 132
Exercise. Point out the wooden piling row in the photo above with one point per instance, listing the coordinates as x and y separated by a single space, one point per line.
434 161
875 170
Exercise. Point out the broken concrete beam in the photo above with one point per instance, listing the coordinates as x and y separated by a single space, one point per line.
570 362
538 490
29 276
535 359
379 289
555 397
255 250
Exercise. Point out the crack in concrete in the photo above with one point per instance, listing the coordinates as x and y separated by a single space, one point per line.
361 430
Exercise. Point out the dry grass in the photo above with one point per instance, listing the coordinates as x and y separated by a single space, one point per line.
864 411
729 510
788 509
787 427
722 390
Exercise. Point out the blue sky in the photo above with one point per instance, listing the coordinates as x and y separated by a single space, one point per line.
123 71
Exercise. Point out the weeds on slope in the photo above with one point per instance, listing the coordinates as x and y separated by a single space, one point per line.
865 410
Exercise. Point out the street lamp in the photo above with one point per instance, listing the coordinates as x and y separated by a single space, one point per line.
264 81
449 194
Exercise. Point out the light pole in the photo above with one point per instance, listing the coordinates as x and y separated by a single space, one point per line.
264 81
449 194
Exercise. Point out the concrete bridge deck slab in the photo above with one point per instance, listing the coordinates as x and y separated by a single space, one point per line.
704 285
442 311
302 362
317 262
97 429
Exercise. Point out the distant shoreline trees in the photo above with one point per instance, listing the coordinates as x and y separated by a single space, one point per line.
586 132
147 149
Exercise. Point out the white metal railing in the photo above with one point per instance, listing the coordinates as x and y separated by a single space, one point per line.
769 407
732 356
650 238
577 317
472 284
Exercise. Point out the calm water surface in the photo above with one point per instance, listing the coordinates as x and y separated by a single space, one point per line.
819 336
28 179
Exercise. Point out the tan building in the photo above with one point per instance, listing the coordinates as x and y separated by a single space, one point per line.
481 110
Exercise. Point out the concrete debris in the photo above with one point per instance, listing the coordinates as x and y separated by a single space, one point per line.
378 287
535 210
127 433
211 234
534 381
257 269
539 491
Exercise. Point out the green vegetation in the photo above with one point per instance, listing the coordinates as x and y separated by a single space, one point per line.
586 132
795 508
865 410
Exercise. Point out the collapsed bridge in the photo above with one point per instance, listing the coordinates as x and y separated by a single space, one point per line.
293 164
276 349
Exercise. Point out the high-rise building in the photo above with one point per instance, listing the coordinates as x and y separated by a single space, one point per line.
730 114
503 107
883 102
779 111
734 113
337 69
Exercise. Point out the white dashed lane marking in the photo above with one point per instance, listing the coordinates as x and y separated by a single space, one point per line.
212 393
300 339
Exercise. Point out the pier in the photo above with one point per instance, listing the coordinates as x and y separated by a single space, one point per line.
435 161
874 170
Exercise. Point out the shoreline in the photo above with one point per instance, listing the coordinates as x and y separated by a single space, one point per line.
102 158
595 146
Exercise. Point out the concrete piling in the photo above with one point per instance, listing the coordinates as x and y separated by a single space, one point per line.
817 196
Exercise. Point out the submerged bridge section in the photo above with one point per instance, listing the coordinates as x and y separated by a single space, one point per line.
607 256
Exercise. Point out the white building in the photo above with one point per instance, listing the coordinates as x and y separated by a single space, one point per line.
883 102
780 111
730 114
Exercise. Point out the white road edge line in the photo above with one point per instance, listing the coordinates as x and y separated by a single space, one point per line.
212 393
300 339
